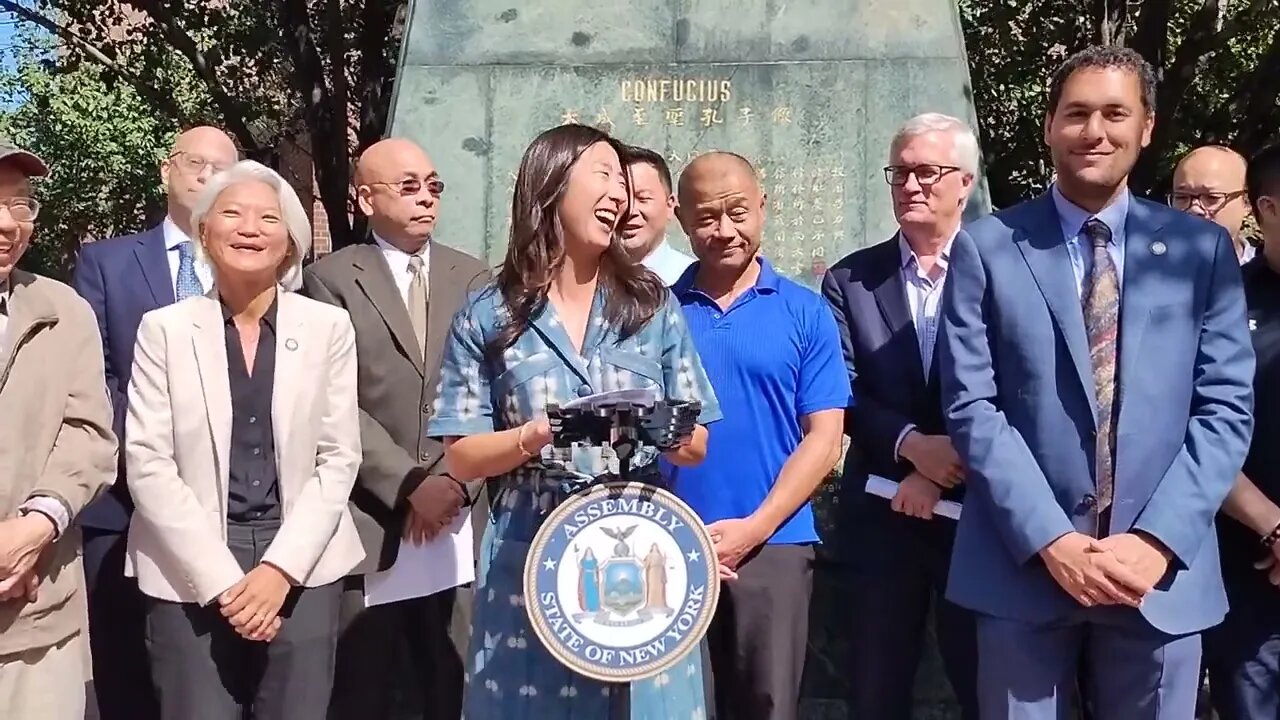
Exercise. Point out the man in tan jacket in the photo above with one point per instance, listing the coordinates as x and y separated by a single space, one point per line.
58 454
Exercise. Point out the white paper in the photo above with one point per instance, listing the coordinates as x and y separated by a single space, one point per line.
445 562
886 488
635 396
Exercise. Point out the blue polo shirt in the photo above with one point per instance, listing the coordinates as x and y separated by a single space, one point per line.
772 357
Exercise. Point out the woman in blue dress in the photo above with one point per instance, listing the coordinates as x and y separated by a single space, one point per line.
568 315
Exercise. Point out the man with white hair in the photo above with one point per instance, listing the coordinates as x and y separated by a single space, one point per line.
887 301
123 278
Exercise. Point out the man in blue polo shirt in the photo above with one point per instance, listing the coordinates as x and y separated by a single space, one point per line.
772 352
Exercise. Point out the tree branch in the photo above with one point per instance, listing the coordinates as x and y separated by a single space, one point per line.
1111 18
1151 32
1258 120
182 41
146 90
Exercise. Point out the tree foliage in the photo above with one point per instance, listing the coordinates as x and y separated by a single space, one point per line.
103 144
276 74
1217 63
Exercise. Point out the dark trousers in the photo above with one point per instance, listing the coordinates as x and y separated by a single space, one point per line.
758 637
1243 657
403 660
117 622
898 575
203 670
1135 672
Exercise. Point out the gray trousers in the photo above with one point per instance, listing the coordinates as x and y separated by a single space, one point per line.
760 633
203 670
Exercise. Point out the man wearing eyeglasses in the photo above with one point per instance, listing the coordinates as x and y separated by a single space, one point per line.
124 278
58 453
402 659
887 301
1209 182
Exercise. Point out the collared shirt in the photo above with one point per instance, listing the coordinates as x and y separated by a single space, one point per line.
924 295
1072 219
173 239
253 488
1248 254
773 357
667 262
398 261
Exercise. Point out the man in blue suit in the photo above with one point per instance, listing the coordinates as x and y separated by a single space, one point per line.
1097 379
123 278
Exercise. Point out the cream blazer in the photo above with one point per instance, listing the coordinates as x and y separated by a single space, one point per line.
178 431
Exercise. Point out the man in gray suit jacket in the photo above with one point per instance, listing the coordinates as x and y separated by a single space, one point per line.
402 659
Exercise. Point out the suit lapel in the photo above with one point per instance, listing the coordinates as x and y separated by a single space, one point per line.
209 341
375 281
441 288
1141 266
1045 251
891 298
153 258
293 345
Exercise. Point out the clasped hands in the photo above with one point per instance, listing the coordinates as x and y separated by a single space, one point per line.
937 467
433 506
1116 570
22 539
252 606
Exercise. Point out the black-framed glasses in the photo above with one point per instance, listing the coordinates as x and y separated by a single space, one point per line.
926 174
21 209
1211 202
195 164
413 186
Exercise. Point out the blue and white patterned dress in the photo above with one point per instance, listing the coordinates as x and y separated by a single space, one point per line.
510 675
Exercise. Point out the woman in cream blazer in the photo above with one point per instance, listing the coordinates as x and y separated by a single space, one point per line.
243 445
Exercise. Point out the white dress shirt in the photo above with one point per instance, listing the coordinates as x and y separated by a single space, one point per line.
173 237
398 261
924 300
667 262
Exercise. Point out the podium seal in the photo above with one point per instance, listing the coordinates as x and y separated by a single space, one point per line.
621 581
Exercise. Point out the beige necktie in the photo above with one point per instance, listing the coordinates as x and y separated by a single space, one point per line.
418 301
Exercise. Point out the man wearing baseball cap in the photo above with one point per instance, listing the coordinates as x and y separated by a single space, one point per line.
57 452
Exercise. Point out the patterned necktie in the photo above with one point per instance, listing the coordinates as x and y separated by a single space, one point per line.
188 282
418 300
1101 300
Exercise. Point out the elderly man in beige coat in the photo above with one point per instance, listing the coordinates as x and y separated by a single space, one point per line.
58 453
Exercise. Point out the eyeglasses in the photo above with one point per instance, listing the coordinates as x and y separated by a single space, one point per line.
195 164
1211 202
413 186
21 209
926 175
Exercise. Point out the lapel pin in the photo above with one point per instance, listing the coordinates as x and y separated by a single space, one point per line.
291 344
1158 248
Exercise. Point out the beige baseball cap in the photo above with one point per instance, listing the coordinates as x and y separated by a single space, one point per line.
27 161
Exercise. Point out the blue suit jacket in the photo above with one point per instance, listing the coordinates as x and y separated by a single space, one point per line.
1018 392
121 278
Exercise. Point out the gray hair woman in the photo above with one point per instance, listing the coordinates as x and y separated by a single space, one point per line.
243 445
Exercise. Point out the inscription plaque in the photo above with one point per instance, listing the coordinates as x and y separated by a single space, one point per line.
810 91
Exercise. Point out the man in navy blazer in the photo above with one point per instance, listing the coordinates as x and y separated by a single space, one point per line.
1097 379
123 278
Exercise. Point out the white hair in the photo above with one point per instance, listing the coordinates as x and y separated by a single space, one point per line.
292 212
965 150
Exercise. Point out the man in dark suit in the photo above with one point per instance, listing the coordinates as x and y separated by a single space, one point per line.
404 659
1097 382
887 301
122 278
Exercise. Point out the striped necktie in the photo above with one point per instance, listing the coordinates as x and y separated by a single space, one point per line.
188 281
1101 301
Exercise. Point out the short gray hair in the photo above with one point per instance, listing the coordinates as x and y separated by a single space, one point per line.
967 156
291 210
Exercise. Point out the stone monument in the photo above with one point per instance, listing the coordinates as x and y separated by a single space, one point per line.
810 90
